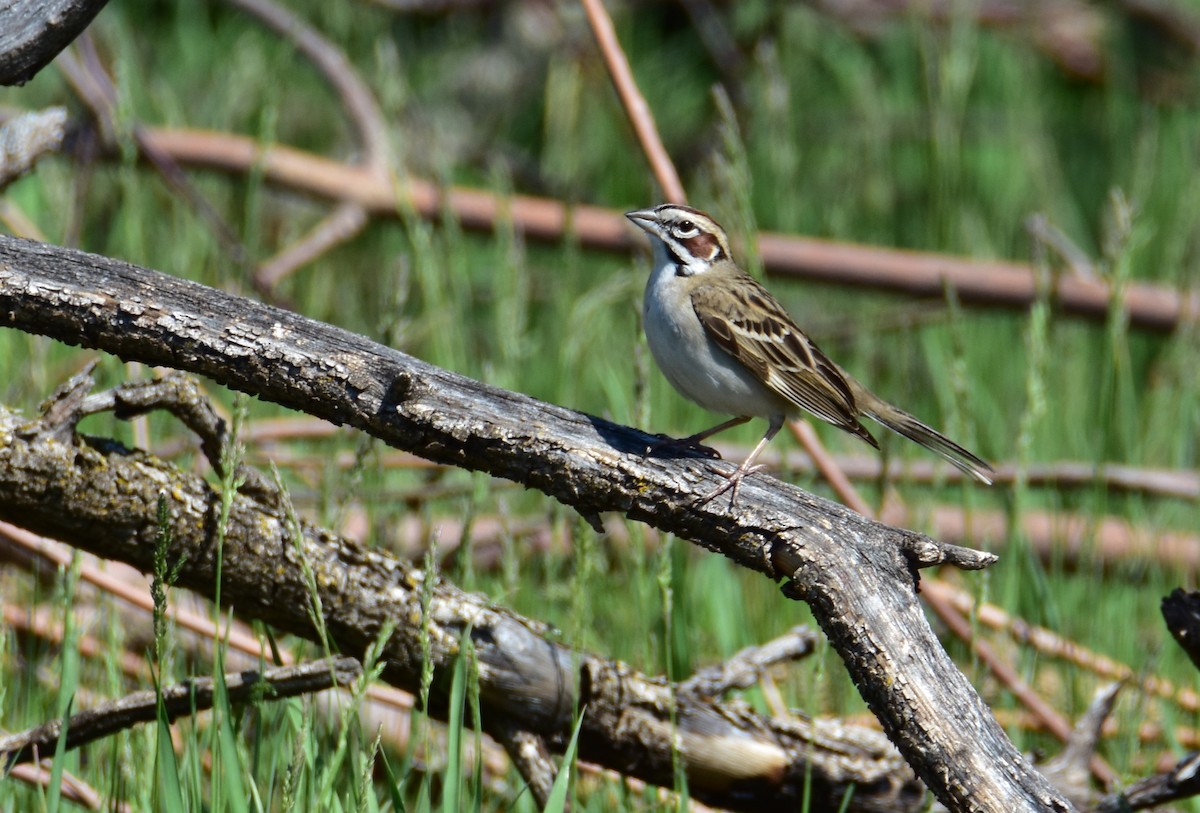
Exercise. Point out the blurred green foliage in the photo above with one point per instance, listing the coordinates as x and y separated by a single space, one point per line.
941 137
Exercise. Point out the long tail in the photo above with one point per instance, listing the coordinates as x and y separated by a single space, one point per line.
901 422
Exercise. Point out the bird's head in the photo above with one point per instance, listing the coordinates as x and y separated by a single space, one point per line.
683 236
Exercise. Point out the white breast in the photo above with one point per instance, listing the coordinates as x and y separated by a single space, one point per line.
693 363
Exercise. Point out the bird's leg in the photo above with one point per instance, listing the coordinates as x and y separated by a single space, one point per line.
735 480
692 442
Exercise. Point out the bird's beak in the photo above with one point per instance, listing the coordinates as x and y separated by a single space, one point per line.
645 219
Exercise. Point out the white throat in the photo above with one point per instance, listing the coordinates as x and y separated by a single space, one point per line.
665 262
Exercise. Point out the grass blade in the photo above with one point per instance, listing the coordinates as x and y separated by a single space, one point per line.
557 802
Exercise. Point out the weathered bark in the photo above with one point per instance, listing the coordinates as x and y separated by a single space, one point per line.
858 576
1181 782
104 499
32 32
26 138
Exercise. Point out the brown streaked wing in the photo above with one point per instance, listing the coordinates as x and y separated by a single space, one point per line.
775 350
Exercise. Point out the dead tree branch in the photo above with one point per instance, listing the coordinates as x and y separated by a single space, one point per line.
35 31
347 219
922 274
926 274
24 139
1181 782
1181 612
178 700
104 499
858 576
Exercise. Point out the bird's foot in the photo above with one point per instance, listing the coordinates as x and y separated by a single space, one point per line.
688 444
732 484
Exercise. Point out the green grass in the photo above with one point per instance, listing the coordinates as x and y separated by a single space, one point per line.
933 139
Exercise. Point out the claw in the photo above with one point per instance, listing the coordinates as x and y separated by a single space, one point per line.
734 483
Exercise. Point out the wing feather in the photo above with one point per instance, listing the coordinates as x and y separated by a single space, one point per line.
750 324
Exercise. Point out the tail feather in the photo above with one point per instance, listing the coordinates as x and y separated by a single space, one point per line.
902 423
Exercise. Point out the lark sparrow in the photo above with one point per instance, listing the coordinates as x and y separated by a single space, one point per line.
724 342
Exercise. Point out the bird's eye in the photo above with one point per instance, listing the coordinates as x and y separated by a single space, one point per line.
686 228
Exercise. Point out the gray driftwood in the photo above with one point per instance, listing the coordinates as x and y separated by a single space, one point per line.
104 498
859 577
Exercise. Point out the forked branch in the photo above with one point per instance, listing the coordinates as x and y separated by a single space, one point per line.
858 576
105 499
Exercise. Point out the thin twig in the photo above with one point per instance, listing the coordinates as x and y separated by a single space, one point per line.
746 667
94 87
1051 644
348 218
73 788
181 699
976 282
634 103
828 467
532 759
1053 722
1069 769
337 227
1181 782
